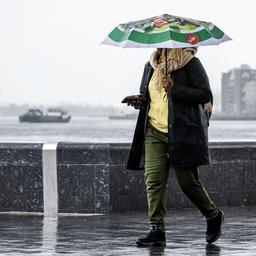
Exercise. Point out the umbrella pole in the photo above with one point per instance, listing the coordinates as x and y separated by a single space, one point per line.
166 71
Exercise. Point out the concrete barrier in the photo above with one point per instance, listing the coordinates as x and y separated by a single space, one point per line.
92 178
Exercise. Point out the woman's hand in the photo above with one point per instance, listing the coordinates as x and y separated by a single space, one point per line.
208 107
135 102
167 83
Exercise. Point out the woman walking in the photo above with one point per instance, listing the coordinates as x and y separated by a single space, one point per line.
175 103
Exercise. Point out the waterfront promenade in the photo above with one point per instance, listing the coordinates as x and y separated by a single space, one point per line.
93 198
115 234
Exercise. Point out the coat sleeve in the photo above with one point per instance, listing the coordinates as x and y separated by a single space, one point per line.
199 92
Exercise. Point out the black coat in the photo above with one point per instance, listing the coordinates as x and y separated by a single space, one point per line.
187 121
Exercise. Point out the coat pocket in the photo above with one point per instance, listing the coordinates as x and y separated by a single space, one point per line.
191 115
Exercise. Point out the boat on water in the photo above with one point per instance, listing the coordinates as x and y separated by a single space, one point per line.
53 115
132 116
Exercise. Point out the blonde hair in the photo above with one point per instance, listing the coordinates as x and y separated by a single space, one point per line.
166 60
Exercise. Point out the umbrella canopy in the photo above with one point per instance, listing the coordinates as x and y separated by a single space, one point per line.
166 31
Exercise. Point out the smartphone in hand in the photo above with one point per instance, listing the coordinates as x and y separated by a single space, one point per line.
127 99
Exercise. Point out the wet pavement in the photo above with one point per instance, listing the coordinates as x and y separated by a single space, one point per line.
116 234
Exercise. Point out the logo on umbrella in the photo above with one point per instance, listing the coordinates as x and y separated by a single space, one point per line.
160 22
193 38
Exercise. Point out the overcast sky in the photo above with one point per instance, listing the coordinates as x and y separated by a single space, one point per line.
50 50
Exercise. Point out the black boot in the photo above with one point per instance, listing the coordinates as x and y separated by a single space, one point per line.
155 237
213 231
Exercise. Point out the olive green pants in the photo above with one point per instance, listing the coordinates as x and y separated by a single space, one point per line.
156 176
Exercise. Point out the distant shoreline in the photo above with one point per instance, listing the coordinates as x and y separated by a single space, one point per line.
232 118
134 118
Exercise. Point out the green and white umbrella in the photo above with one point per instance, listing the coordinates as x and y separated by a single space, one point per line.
166 31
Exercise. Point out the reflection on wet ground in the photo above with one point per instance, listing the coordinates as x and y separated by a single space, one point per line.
116 234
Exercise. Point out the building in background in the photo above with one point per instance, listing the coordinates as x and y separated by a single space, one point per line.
250 98
238 92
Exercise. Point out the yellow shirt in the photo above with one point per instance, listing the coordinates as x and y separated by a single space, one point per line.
158 111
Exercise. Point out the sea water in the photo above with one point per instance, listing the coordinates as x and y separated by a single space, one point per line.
102 129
